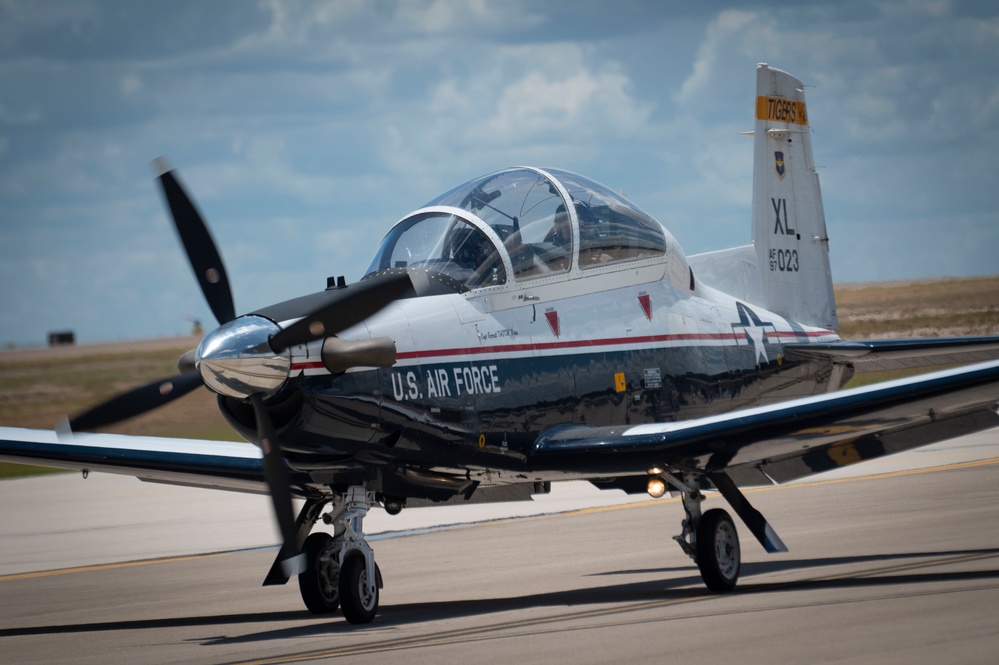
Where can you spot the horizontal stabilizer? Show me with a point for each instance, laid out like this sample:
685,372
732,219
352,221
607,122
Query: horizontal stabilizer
892,354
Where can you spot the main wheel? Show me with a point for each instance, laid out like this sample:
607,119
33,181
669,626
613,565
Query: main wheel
358,604
718,554
319,584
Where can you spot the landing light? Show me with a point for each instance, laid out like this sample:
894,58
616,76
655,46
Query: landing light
656,487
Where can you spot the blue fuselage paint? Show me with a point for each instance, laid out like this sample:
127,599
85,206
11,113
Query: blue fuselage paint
489,411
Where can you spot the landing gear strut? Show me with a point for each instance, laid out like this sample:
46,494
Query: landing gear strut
710,539
341,570
359,579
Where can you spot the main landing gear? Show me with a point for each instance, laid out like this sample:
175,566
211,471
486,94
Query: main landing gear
710,539
340,569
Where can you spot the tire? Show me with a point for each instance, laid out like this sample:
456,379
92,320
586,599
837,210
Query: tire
358,606
718,554
319,584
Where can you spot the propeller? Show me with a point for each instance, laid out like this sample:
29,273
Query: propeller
249,347
198,244
136,402
360,302
277,480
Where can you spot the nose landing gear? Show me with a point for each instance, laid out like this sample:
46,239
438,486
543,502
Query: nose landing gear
340,569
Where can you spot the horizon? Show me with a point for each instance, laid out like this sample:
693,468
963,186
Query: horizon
42,344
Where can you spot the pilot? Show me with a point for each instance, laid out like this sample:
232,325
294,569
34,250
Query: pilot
468,247
560,233
593,247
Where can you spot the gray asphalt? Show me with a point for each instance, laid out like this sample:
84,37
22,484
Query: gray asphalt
899,566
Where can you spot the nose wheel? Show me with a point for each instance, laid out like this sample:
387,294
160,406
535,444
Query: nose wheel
358,590
319,583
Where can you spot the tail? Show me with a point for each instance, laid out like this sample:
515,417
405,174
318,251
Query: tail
789,226
786,269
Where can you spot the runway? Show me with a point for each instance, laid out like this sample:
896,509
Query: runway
902,565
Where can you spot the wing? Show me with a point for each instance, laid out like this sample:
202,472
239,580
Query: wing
211,464
892,354
789,440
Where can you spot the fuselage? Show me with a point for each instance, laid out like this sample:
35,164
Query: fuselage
607,327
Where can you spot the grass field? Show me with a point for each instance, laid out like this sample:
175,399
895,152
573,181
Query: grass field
928,308
39,387
954,307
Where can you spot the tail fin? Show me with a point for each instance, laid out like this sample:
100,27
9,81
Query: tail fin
789,226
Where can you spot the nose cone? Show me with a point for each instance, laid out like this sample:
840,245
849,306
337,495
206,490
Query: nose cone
236,360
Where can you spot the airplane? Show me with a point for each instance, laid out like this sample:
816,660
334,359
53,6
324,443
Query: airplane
532,326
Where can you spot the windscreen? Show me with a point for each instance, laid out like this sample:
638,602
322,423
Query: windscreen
444,244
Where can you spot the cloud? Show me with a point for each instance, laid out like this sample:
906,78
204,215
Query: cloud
130,84
357,30
292,24
730,23
445,17
909,9
13,117
583,101
514,104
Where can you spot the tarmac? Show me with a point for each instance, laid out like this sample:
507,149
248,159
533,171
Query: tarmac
891,560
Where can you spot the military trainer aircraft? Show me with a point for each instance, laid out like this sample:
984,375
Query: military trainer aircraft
533,326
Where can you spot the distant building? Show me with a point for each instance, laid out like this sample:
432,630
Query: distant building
62,338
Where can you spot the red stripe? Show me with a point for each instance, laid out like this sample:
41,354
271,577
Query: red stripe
574,344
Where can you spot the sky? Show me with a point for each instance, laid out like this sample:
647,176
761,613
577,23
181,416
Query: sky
305,130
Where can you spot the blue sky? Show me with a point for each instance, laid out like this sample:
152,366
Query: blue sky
306,129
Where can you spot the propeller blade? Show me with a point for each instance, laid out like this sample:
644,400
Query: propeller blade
198,243
136,402
277,480
360,301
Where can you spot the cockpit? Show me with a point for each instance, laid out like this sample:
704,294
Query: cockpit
520,225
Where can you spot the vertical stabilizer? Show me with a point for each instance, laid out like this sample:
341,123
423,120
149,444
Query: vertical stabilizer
789,226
